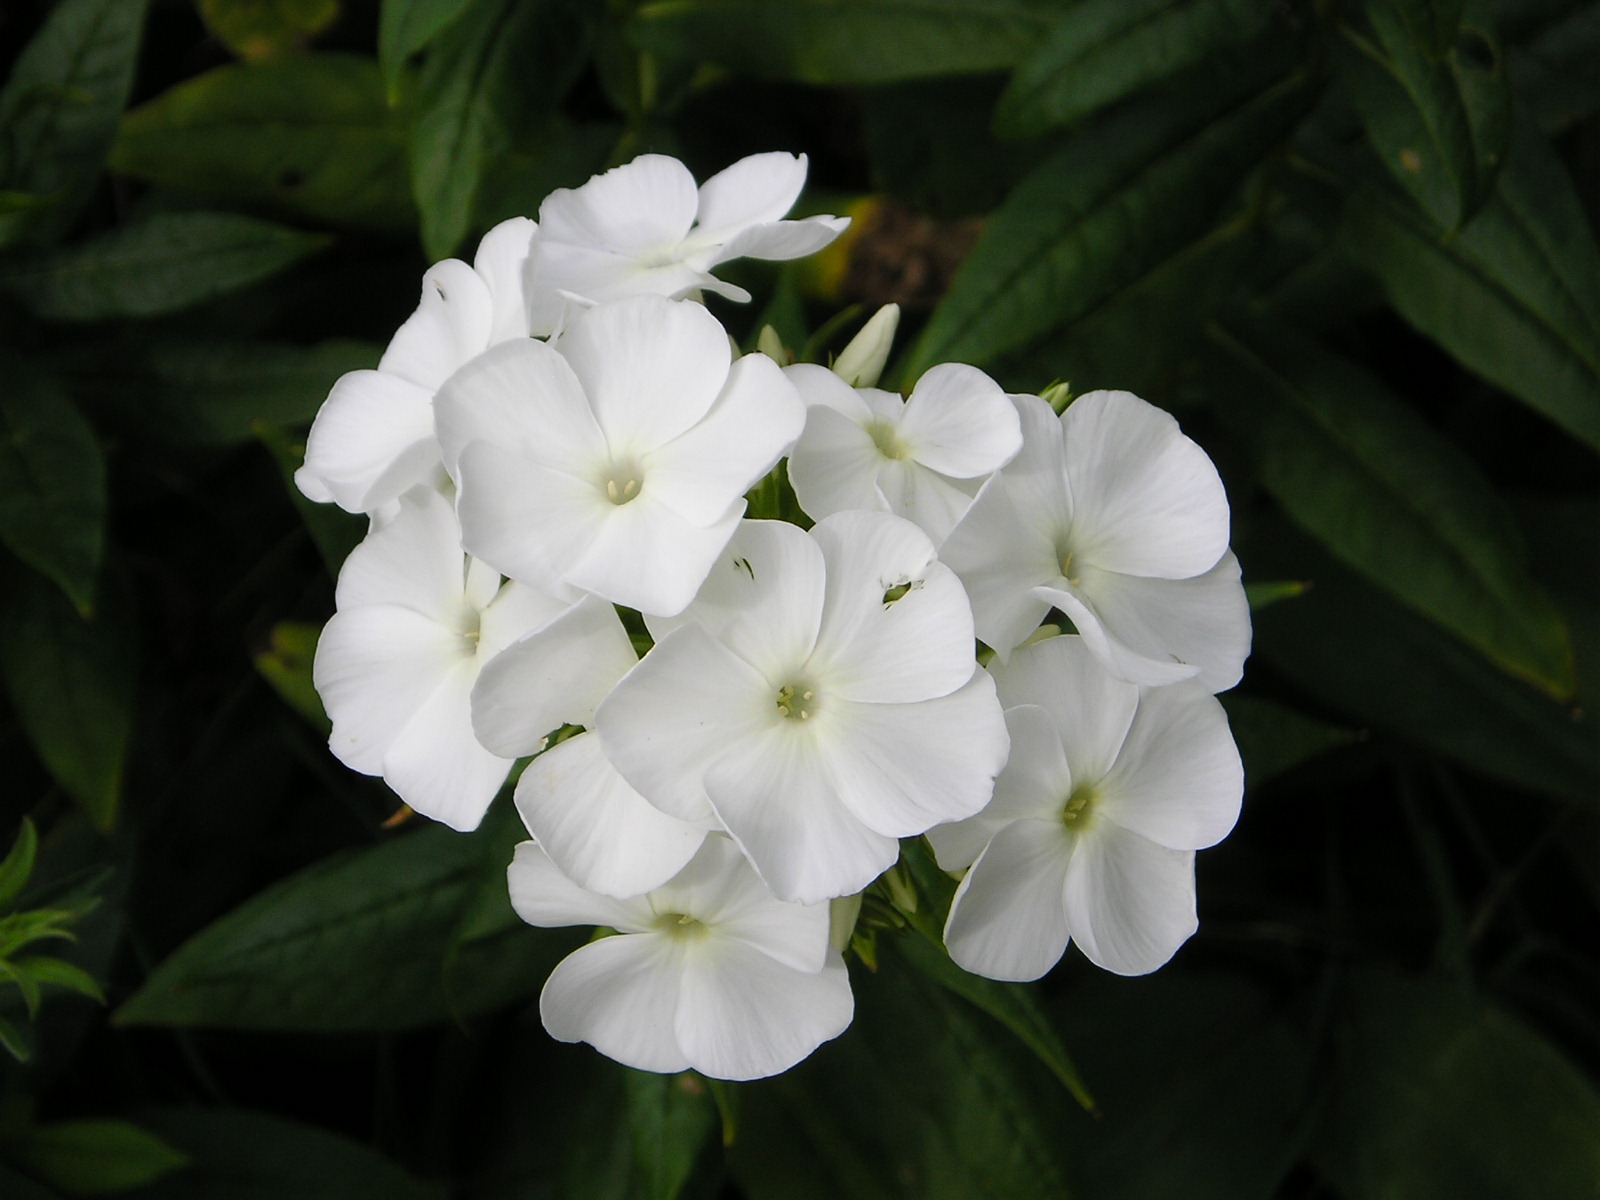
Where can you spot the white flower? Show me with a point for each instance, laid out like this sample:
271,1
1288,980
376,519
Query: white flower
923,458
1116,518
615,460
1109,790
708,972
396,664
819,698
644,228
373,438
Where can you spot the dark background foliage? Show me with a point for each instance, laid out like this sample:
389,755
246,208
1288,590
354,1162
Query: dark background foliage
1350,244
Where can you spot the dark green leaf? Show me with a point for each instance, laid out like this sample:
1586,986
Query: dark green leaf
257,29
310,135
18,1187
52,482
240,1155
1103,51
18,1044
71,682
334,531
1515,296
1272,739
18,865
1553,75
89,1158
161,264
1121,197
1349,646
503,67
1438,119
58,114
1439,1095
365,940
25,984
671,1119
1358,469
406,27
847,41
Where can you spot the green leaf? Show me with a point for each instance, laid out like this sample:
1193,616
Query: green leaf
58,973
58,114
1553,75
1438,1095
1273,739
1368,657
847,41
671,1120
1439,119
1103,51
1515,296
25,984
52,482
286,665
72,684
267,28
17,867
406,27
1363,473
358,942
310,135
334,531
18,1044
1262,594
241,1155
89,1158
163,263
502,67
1119,198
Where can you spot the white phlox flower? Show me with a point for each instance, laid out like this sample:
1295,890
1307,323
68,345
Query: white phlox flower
708,971
1109,791
395,666
373,437
820,699
1113,516
922,458
615,460
644,227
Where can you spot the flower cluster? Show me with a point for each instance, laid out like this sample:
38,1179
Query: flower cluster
555,452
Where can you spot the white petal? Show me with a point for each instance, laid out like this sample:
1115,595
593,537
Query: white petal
773,794
651,368
500,262
909,649
834,465
901,768
1147,500
515,609
543,896
413,560
556,675
1178,780
673,714
436,765
1154,669
781,240
621,995
563,280
644,555
1090,708
1037,477
745,1016
601,833
638,207
927,499
372,440
752,425
753,191
960,423
1008,919
1130,902
818,386
375,667
452,323
1001,558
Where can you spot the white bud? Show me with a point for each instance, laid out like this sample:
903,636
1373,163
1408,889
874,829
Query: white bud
861,362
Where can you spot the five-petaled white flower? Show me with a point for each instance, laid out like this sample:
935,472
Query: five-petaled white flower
1109,791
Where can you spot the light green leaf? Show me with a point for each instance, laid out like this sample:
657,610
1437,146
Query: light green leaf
1358,469
1103,51
363,941
52,482
17,868
310,136
1515,296
18,1044
236,1154
671,1119
286,665
163,263
257,29
1439,119
89,1158
1273,739
501,68
72,684
847,41
59,110
1122,196
406,27
1438,1095
24,983
59,973
1262,594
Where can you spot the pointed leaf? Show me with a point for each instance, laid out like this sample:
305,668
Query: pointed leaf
408,26
1273,739
58,973
18,865
90,1158
257,29
286,665
671,1119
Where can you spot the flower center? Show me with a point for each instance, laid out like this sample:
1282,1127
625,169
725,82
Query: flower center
622,483
1064,557
1077,814
888,440
797,702
682,926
